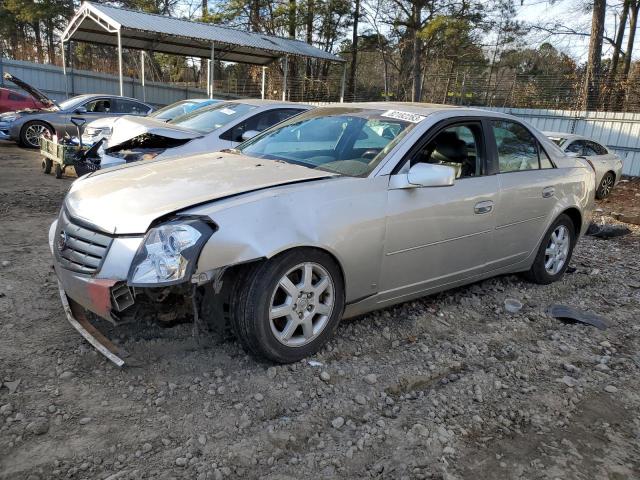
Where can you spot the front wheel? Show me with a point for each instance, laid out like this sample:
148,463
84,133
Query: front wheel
290,305
31,133
606,185
554,252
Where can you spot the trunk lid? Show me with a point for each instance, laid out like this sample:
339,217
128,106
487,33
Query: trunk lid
33,91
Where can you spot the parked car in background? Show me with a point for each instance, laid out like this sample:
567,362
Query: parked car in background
607,165
103,127
26,126
332,213
209,129
10,101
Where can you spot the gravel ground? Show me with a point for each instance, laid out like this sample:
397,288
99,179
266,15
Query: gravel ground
447,387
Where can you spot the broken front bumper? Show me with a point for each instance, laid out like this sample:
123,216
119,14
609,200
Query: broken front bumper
93,292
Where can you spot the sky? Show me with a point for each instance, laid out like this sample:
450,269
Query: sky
571,14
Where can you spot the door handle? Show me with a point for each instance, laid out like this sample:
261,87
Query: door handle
548,192
483,207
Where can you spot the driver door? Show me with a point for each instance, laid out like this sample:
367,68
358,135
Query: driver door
437,236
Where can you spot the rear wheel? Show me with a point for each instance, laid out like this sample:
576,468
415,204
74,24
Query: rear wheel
554,252
606,185
31,133
290,305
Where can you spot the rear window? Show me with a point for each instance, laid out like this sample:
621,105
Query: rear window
206,120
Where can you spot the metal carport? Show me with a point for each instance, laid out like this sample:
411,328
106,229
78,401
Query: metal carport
121,28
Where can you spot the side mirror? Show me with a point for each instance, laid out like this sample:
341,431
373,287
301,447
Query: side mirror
249,134
430,175
78,121
80,110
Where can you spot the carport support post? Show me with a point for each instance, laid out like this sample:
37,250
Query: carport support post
264,70
285,68
213,70
120,64
343,81
64,72
144,91
208,77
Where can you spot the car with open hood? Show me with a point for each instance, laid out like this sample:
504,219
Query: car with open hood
606,164
103,127
27,126
209,129
333,213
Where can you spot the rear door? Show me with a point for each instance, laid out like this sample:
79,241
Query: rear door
440,235
528,181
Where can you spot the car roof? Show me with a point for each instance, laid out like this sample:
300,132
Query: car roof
261,103
106,95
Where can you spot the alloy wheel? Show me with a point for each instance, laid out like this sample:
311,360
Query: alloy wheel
301,304
606,186
33,133
557,250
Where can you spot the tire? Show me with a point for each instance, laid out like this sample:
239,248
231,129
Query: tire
57,170
311,310
606,185
540,271
31,131
46,165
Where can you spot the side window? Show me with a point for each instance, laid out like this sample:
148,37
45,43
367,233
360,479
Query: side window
129,107
545,161
589,149
517,147
259,122
101,105
576,147
459,146
599,149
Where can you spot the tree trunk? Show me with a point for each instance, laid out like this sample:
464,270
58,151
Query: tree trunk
292,18
612,87
592,87
416,22
309,34
354,51
205,9
254,16
51,45
38,39
633,23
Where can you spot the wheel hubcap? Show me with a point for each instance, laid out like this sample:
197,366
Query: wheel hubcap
555,256
301,304
33,133
607,185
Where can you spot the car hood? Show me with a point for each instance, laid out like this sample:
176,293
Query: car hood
33,91
126,200
128,127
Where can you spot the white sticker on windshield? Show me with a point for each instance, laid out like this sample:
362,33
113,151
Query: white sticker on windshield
406,116
227,111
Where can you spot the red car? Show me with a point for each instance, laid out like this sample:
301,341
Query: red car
10,101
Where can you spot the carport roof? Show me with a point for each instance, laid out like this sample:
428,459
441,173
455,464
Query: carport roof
99,24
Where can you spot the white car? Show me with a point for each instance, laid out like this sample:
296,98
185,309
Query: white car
102,127
607,165
208,129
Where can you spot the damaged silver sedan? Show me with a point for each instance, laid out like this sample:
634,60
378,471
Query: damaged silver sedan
331,214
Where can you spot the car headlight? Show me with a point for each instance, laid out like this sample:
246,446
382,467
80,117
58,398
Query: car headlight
169,253
94,131
8,118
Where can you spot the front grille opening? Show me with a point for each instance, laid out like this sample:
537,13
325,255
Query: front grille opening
78,248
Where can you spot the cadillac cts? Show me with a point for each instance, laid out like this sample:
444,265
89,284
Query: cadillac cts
333,213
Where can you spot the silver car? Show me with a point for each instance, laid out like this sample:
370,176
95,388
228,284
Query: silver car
27,126
607,165
331,214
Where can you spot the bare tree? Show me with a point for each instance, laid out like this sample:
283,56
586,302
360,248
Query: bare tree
592,84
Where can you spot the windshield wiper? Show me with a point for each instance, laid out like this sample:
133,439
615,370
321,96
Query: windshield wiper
235,151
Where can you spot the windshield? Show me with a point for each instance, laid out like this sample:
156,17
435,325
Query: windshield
72,102
176,109
349,141
205,120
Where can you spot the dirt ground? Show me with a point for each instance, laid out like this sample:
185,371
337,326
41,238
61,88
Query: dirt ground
448,387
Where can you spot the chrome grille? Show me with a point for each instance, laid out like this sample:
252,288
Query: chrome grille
78,248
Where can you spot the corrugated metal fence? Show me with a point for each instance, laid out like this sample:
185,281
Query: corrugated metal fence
50,80
619,131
